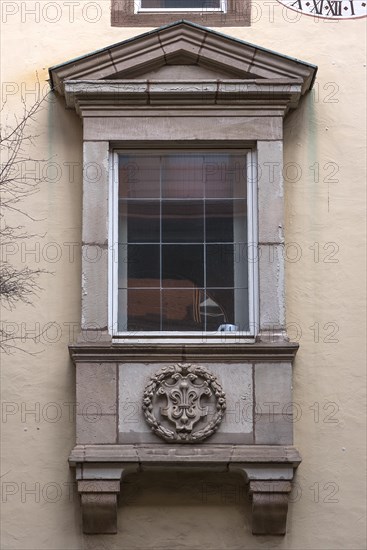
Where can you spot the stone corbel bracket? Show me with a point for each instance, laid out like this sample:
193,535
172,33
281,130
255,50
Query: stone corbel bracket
269,507
268,471
269,489
99,486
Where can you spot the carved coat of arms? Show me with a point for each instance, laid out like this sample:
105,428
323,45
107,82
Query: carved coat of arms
189,392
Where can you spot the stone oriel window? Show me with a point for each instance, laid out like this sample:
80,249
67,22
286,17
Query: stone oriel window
166,104
149,13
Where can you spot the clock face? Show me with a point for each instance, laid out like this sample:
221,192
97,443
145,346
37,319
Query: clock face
329,9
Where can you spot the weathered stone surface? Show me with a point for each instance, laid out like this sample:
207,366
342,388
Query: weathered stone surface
269,513
99,513
270,191
262,458
274,429
270,486
272,298
109,472
263,472
95,192
136,55
203,90
95,236
273,387
269,507
98,486
184,72
134,349
95,288
96,385
183,128
236,381
94,428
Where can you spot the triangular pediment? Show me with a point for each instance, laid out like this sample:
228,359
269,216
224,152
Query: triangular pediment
183,51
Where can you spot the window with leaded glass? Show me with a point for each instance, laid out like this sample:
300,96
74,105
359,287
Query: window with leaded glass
183,241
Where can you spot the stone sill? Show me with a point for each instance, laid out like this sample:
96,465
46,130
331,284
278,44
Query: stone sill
185,455
133,352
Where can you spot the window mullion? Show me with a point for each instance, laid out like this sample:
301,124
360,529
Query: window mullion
205,251
160,247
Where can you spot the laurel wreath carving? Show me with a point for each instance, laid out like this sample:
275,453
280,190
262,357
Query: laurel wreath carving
196,371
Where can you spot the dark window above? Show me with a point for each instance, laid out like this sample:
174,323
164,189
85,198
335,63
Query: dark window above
148,13
182,4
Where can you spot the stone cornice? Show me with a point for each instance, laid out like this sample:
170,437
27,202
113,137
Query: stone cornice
112,95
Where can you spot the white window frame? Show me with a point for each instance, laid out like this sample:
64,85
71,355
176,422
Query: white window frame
253,260
139,9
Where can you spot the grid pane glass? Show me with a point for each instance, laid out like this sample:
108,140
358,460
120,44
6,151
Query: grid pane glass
181,309
183,262
139,177
225,176
219,308
143,221
219,265
182,221
143,310
143,266
182,176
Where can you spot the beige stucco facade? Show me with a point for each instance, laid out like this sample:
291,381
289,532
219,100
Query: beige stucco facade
324,177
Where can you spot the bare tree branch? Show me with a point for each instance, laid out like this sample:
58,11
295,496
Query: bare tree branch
18,284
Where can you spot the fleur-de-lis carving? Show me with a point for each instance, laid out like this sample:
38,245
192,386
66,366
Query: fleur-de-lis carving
184,386
184,408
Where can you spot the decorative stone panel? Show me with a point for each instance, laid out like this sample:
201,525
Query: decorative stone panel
236,424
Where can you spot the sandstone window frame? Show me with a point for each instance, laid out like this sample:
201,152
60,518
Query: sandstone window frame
233,13
173,80
252,294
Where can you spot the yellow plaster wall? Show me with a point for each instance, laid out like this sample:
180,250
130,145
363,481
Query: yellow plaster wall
325,291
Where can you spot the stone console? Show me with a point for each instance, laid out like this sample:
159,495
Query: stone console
254,434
